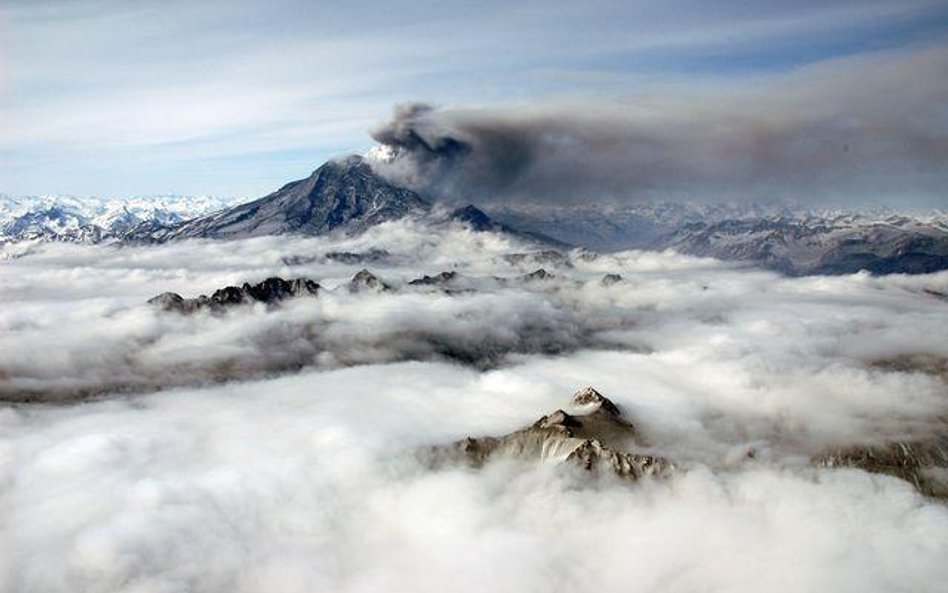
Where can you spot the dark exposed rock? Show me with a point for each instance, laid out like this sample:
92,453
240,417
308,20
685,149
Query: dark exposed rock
270,291
537,276
935,293
365,280
924,463
170,301
591,397
477,220
298,260
610,279
595,440
474,218
344,195
147,232
347,257
549,257
928,364
342,257
439,280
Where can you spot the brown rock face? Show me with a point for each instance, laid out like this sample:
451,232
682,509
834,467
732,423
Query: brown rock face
595,440
924,463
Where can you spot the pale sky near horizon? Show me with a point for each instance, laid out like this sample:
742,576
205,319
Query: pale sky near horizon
109,97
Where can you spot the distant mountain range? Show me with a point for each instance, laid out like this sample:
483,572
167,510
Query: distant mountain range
347,196
92,219
792,240
836,245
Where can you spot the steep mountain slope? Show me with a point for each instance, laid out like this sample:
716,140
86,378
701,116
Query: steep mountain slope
477,220
344,194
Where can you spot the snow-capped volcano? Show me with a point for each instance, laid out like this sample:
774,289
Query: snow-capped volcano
343,194
348,195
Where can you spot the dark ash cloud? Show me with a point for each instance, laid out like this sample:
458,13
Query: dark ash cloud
867,129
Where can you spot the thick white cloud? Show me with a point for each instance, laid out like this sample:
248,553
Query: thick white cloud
304,483
310,480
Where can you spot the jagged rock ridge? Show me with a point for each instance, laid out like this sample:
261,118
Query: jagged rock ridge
594,439
924,463
439,280
270,291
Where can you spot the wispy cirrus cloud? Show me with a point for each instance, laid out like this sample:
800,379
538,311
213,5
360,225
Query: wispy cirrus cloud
137,97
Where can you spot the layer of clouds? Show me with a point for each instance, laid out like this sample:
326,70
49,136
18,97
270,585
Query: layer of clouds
297,484
490,314
76,321
866,128
308,480
301,483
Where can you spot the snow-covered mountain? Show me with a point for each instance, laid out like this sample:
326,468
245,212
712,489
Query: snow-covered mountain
788,238
342,194
821,244
347,195
95,219
609,227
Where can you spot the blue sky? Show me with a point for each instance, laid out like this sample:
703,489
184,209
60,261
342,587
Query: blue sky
111,97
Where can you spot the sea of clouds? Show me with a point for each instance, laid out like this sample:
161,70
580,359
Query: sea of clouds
274,449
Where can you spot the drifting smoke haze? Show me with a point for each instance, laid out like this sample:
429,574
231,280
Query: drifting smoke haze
305,474
410,423
864,129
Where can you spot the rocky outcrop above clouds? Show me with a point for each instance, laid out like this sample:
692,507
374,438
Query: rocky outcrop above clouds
271,291
593,436
366,281
922,462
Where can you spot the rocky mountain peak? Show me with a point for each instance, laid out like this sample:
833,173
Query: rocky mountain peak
598,439
473,217
365,280
590,399
271,291
537,275
343,194
440,279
